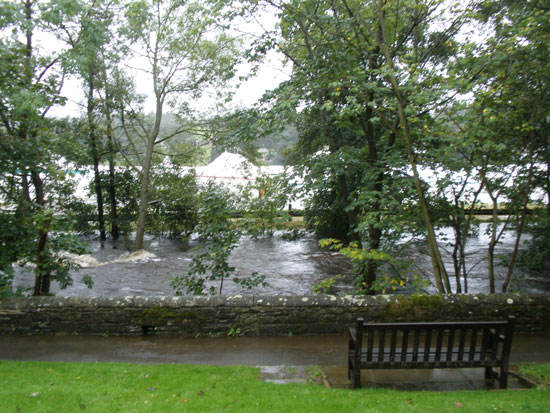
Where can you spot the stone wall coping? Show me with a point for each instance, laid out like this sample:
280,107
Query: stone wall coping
319,300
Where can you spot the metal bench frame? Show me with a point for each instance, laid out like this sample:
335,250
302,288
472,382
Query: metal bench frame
483,344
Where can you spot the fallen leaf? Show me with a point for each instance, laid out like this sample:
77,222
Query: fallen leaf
146,376
82,406
409,401
200,393
457,404
185,401
17,409
150,388
34,394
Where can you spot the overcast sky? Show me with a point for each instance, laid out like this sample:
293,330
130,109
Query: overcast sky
271,73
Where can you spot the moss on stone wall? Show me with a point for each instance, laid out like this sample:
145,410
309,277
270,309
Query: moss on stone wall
158,315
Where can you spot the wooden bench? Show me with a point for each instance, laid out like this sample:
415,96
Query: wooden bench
430,346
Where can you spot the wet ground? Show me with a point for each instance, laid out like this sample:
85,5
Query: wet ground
290,267
321,359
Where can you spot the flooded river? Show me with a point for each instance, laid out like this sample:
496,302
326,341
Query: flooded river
290,267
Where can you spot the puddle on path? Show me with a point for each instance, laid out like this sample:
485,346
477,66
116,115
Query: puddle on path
288,374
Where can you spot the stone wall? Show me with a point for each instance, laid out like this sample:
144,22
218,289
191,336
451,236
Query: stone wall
256,315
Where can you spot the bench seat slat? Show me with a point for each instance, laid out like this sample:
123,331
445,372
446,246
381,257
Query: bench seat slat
445,358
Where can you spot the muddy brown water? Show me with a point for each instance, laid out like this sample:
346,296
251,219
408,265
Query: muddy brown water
290,267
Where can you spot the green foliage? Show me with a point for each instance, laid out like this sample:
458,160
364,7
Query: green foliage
219,237
264,205
394,272
377,89
536,256
325,286
21,247
173,200
127,195
234,332
330,182
173,205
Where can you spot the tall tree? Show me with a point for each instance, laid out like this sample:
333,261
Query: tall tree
507,118
181,51
94,53
345,56
30,87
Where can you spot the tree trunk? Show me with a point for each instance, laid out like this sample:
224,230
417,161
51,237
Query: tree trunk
94,153
373,230
456,250
112,189
145,177
519,232
492,244
144,197
440,273
42,280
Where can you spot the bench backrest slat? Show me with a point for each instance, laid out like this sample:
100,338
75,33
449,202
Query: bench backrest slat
450,344
392,344
473,341
461,343
484,343
404,344
370,344
416,345
381,344
439,343
427,345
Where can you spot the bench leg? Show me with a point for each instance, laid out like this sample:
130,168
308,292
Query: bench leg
503,378
356,378
489,374
354,374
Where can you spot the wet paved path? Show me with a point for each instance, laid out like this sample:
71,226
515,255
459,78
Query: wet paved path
327,352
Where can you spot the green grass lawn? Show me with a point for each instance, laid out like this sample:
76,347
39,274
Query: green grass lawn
116,387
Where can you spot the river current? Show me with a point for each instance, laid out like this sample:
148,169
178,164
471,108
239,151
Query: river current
290,267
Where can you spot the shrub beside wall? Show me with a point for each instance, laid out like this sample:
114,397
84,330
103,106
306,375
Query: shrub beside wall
258,315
